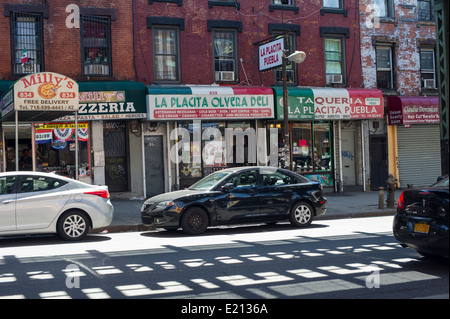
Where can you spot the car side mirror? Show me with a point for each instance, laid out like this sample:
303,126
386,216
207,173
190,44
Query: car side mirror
227,187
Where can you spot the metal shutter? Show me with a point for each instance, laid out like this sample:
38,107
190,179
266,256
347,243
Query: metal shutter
419,154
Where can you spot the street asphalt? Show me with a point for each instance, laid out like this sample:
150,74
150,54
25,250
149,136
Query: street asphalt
127,213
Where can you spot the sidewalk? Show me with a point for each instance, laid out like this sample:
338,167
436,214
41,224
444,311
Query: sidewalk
127,213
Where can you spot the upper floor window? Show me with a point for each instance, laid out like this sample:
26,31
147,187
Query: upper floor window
384,8
166,56
291,68
385,71
27,43
335,4
96,45
284,2
334,63
225,55
428,68
425,10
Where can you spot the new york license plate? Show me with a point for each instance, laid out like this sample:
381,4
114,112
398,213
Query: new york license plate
421,228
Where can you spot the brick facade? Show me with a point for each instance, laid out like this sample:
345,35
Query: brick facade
256,18
62,51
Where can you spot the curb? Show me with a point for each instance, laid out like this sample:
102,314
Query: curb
142,227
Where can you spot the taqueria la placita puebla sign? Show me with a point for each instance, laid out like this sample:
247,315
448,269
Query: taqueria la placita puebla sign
331,103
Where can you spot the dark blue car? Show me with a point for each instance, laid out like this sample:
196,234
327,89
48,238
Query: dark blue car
237,196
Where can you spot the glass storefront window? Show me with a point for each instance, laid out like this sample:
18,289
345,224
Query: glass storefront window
301,137
55,148
210,154
310,147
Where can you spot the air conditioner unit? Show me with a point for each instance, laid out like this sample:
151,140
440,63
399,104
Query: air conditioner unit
429,84
225,76
334,78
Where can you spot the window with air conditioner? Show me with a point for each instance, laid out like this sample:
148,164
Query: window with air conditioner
96,45
428,68
225,55
334,61
27,43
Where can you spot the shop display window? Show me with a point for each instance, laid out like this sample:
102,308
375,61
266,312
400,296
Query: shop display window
311,148
55,148
209,155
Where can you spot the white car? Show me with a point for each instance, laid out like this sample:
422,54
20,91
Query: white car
41,203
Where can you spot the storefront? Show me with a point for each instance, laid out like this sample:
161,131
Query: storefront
34,99
415,135
207,128
113,113
328,132
108,139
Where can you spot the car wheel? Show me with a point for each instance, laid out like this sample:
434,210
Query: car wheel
73,225
194,221
301,214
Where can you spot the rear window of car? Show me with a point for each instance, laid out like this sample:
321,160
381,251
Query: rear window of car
39,183
6,184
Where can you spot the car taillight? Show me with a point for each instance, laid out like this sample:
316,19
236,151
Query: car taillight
401,202
103,193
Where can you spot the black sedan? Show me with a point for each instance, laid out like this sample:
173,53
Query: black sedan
237,196
421,222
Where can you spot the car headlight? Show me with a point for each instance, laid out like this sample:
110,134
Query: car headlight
164,204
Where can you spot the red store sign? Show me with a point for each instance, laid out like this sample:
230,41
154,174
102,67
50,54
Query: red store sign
407,110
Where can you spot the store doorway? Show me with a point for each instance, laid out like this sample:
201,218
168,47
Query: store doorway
348,157
116,163
378,162
154,165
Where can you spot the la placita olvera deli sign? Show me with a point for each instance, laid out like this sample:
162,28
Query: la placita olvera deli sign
46,91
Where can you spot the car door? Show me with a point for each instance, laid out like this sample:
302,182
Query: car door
239,204
7,203
39,200
276,193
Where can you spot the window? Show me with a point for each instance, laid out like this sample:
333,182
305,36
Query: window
290,66
166,54
334,60
96,45
311,147
428,68
225,55
385,77
384,8
39,183
425,10
336,4
245,179
283,2
6,184
27,43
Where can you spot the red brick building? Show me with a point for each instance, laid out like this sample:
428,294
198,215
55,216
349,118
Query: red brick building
308,23
90,42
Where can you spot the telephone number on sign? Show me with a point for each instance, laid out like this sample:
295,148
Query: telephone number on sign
46,107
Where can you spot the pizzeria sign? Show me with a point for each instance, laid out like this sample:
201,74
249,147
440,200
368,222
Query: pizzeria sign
46,91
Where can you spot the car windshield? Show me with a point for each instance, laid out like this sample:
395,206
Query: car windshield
210,181
442,183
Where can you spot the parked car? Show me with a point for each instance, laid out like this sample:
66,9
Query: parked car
39,203
421,222
237,196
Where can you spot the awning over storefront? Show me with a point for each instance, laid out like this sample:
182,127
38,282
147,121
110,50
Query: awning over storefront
209,102
41,96
407,110
111,101
321,103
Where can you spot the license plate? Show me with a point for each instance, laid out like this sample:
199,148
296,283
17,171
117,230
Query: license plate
421,228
